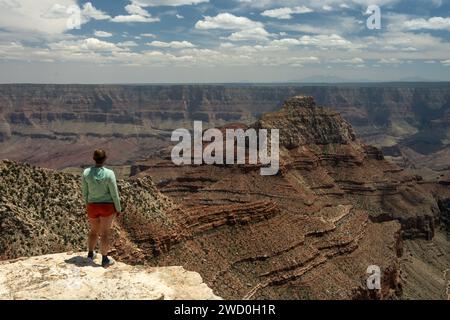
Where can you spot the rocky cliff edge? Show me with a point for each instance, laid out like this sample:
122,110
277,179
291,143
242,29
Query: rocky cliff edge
71,276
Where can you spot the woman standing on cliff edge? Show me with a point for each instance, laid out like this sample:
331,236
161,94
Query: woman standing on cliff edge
103,204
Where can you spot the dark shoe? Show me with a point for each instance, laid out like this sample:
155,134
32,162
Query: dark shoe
107,262
92,255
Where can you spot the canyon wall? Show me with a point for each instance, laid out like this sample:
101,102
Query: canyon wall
58,125
310,232
336,207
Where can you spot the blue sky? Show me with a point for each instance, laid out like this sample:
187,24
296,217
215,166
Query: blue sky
179,41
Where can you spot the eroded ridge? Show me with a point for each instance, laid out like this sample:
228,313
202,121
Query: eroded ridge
335,208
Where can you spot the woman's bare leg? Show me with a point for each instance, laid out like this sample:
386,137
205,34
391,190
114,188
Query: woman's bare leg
105,233
94,233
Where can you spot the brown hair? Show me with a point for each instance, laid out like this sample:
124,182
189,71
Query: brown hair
99,156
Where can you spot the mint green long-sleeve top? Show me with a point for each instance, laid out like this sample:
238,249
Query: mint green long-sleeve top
100,186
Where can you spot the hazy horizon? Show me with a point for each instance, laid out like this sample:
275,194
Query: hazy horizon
243,83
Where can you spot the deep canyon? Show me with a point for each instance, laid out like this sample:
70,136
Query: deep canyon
58,125
363,180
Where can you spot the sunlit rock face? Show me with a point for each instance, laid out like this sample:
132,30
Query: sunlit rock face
71,276
309,232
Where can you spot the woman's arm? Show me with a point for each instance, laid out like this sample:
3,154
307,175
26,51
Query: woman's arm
85,189
114,192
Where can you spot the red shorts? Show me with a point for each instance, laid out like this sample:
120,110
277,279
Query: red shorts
97,210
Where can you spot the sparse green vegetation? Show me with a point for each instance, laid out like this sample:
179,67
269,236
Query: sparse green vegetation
42,211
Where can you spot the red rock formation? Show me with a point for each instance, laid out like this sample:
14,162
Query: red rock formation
409,121
310,231
335,208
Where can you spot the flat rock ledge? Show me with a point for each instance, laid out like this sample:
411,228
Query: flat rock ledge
68,276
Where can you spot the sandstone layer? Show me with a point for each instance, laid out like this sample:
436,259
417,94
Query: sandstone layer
409,121
335,208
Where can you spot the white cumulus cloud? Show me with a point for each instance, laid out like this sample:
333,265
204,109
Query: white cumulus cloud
172,3
243,27
135,14
127,44
172,44
90,12
45,16
285,13
227,21
102,34
148,35
326,41
84,45
249,34
434,23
